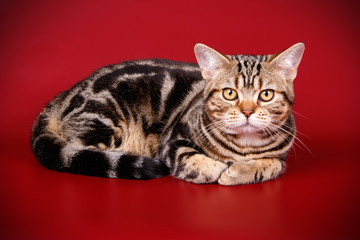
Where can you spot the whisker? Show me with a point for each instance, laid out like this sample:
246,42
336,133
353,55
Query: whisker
299,114
295,137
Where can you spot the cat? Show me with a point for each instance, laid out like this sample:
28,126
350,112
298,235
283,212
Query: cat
226,120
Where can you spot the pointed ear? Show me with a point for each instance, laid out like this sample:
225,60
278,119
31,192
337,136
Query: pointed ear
286,63
210,61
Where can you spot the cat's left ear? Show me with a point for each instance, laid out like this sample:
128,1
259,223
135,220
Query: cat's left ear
286,63
209,60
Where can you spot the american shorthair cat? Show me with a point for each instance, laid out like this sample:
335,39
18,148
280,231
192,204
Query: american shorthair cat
227,120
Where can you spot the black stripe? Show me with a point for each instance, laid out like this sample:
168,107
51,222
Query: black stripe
151,168
258,68
187,155
237,81
155,88
253,76
47,149
121,103
99,133
105,82
183,112
287,98
75,102
183,85
211,94
107,110
260,83
246,64
244,79
173,147
125,167
180,167
239,63
117,141
90,163
192,175
182,163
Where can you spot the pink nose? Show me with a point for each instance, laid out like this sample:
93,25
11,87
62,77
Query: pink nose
247,113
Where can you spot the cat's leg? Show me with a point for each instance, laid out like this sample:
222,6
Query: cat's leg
186,162
253,171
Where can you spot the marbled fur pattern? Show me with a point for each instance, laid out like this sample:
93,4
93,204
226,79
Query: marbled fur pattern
147,118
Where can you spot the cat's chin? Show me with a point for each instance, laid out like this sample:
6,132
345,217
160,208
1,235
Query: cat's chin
245,129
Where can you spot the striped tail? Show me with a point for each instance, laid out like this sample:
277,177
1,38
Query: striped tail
55,153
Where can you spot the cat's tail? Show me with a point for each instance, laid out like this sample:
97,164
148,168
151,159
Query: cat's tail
55,153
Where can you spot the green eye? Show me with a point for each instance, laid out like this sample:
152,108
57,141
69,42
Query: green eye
230,94
266,95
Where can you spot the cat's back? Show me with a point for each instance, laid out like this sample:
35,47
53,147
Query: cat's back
148,92
132,82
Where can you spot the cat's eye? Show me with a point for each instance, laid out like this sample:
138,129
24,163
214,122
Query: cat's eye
230,94
266,95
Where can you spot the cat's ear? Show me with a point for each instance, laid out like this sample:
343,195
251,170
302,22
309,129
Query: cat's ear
209,60
286,63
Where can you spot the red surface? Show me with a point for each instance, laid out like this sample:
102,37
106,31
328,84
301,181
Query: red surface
47,46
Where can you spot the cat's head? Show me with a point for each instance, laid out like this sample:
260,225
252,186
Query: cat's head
247,95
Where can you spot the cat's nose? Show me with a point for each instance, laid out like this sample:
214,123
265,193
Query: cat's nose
247,112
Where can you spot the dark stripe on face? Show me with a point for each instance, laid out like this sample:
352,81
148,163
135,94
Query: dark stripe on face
236,81
246,64
212,92
239,63
258,68
253,76
244,79
260,83
286,98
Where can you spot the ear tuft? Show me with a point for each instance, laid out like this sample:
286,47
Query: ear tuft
209,60
286,63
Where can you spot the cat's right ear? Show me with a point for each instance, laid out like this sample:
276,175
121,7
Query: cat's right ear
209,60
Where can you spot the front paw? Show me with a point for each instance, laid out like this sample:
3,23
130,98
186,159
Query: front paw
253,171
239,173
201,169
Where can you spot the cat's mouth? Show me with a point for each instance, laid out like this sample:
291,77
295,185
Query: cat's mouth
244,128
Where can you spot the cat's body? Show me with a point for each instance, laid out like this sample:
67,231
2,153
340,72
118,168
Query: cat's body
143,119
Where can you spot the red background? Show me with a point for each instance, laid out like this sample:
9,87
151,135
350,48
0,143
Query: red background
47,46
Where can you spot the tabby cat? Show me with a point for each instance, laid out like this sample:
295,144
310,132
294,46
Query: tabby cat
227,120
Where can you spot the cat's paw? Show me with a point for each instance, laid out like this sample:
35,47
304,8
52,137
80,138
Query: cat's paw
238,173
253,171
202,169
